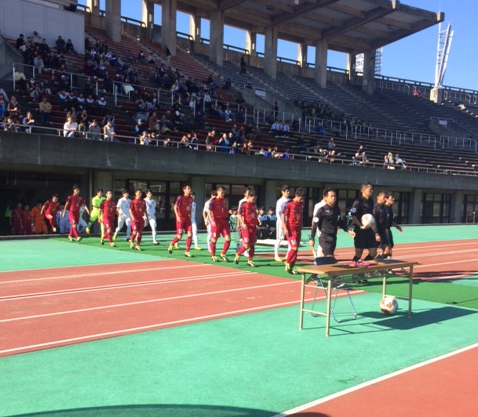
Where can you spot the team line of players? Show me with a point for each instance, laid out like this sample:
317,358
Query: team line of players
327,219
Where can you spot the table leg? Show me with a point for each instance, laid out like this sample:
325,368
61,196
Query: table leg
410,291
384,285
302,296
327,316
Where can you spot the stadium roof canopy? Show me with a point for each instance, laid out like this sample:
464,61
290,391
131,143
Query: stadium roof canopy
351,26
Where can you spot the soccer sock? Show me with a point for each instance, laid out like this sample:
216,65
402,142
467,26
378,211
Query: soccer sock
174,241
241,250
107,235
102,228
132,236
225,247
276,247
138,239
251,253
188,243
74,232
89,224
212,248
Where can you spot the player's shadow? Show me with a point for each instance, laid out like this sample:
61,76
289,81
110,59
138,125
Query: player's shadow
163,410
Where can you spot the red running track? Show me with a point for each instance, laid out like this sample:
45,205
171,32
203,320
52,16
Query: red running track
47,308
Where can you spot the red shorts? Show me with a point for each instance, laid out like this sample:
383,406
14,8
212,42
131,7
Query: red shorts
137,225
293,237
74,218
108,223
184,225
249,235
221,229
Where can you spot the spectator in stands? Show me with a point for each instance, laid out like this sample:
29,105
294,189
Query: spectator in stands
144,138
60,44
400,161
109,132
227,84
3,107
331,145
141,57
28,121
20,79
70,49
286,129
44,48
243,65
388,161
69,128
13,107
45,111
4,94
94,130
128,57
43,89
20,42
38,62
320,129
276,127
84,118
101,106
36,38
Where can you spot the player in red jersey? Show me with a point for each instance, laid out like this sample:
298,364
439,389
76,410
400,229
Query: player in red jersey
16,221
137,212
292,219
26,220
107,217
49,209
74,202
182,210
248,221
219,218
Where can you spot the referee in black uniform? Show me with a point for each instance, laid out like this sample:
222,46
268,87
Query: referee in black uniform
364,238
328,220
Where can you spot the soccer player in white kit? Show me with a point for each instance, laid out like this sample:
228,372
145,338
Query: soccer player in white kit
122,207
315,223
280,207
193,222
151,212
206,218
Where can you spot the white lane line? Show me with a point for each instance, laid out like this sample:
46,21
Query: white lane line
155,300
304,407
121,286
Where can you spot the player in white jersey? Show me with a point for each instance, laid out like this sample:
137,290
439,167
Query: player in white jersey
122,207
206,217
193,222
280,207
315,223
151,212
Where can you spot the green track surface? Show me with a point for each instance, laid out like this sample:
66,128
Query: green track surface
250,365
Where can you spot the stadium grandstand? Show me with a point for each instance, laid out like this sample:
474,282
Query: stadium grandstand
185,109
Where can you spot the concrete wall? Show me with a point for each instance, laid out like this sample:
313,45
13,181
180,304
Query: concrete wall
8,55
34,150
23,16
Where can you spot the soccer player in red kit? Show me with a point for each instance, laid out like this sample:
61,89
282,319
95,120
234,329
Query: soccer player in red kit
16,221
292,219
26,220
74,202
137,212
248,222
219,218
49,209
182,210
107,217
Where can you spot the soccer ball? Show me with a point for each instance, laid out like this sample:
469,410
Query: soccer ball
389,305
367,221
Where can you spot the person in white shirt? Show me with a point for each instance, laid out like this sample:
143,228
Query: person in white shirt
70,127
206,218
280,207
315,223
151,212
122,207
193,223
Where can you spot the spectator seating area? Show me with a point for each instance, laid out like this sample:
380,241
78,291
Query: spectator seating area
386,109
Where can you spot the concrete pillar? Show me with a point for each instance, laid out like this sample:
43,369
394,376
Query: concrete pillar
456,206
415,206
94,6
168,23
436,95
320,73
270,193
198,185
113,20
216,41
270,56
351,63
147,17
251,42
369,71
302,54
195,27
